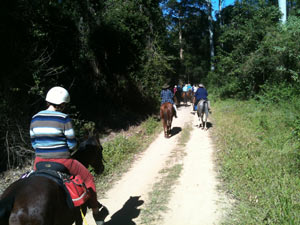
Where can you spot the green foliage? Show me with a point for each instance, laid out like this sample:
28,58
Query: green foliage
150,126
242,62
190,19
296,130
259,161
276,93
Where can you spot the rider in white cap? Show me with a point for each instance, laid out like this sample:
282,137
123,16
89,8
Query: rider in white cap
53,137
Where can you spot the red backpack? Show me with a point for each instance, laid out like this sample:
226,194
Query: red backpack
77,190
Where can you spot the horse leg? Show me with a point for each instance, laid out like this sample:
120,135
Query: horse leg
206,115
78,217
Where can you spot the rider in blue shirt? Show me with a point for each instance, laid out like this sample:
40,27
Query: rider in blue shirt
201,93
167,96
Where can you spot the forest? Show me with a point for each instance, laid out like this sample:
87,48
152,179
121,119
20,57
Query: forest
113,56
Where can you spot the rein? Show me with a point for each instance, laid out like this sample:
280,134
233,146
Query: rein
83,217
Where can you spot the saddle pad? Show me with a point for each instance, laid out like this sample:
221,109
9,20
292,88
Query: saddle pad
74,187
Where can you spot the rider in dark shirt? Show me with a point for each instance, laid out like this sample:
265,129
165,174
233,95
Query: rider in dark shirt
167,96
201,93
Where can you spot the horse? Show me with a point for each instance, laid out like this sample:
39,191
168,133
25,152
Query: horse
177,97
166,115
202,110
38,200
187,96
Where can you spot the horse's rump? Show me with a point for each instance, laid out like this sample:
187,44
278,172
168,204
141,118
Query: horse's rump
33,199
40,200
166,115
166,111
202,110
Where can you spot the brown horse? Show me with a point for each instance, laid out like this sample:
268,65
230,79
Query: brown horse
187,96
166,115
38,200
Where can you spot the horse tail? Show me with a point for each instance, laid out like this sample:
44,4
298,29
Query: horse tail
165,116
6,205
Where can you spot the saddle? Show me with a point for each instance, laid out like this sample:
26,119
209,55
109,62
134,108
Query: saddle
76,191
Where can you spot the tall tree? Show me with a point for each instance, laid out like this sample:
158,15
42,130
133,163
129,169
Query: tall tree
211,35
188,30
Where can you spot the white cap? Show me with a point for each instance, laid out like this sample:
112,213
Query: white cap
58,95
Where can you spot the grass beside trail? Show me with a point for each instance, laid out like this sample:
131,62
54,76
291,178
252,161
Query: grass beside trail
258,160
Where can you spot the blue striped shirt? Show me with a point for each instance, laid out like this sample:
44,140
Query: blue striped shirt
52,134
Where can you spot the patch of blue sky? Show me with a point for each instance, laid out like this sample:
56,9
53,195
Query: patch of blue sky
215,5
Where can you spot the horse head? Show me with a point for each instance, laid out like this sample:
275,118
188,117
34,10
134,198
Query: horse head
89,153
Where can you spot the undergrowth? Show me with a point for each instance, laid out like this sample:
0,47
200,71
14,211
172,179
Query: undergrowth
259,159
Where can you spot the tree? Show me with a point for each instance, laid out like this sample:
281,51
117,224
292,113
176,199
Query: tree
188,34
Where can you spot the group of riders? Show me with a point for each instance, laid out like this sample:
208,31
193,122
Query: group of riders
198,93
53,137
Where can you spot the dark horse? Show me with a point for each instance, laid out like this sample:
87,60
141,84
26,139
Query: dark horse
38,200
202,110
166,115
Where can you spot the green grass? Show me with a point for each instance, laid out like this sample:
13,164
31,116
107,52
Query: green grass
259,160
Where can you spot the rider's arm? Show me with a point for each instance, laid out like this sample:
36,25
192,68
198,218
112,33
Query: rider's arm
32,138
70,134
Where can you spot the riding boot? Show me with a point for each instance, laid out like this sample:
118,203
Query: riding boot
175,109
208,106
99,216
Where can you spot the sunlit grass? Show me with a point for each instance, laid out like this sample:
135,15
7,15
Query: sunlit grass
258,162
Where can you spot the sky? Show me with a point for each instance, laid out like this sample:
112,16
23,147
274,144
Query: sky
215,4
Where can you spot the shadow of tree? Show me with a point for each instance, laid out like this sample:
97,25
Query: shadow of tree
128,212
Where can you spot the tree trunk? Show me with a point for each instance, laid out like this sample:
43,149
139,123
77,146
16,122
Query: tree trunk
211,36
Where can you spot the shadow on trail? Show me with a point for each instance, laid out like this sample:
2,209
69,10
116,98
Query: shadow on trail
128,212
208,125
175,130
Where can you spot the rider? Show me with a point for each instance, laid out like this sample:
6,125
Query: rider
201,93
167,96
185,88
53,137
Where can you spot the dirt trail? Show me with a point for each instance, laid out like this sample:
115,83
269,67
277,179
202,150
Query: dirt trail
194,199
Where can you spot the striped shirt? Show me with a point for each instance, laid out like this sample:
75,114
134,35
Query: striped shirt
52,134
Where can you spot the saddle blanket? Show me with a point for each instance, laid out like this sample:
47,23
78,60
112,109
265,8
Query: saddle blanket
77,193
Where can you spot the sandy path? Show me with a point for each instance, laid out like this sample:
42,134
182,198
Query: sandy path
193,200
